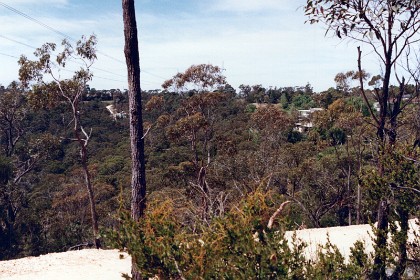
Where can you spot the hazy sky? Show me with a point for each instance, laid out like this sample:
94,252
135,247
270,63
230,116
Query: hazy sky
257,41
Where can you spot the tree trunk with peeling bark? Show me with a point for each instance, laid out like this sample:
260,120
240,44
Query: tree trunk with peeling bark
138,176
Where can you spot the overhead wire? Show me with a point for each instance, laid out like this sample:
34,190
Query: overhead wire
95,76
104,78
76,62
18,42
36,21
157,76
66,37
53,29
70,71
5,54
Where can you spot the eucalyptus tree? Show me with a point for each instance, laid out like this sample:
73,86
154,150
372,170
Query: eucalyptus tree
131,50
49,88
138,168
195,120
390,28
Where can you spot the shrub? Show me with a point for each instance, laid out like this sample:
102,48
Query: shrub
238,245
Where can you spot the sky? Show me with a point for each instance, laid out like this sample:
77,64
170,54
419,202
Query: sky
255,41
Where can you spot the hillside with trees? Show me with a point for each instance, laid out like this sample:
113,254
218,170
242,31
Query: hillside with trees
206,151
228,171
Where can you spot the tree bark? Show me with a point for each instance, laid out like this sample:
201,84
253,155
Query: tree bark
383,209
138,176
381,133
88,182
91,195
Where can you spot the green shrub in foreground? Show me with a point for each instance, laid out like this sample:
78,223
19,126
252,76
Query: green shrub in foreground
236,246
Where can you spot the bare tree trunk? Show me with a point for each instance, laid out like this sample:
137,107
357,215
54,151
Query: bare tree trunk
379,262
138,176
89,187
204,188
380,122
84,161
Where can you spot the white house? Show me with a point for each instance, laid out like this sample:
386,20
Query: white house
304,122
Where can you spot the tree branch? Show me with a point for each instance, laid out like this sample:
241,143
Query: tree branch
359,65
278,211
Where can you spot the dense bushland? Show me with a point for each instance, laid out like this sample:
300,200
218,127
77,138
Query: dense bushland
254,159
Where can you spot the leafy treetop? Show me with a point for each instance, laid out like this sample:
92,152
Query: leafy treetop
202,77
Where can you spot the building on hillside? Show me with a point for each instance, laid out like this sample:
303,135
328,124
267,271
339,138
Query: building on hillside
115,114
406,98
305,119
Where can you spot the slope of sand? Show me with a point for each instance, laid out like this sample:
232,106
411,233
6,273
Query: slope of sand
110,264
85,264
342,237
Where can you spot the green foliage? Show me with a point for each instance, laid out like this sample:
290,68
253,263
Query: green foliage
111,165
330,263
399,185
302,101
250,108
401,178
294,137
243,147
236,246
338,136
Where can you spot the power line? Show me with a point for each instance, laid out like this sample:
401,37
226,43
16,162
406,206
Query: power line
21,43
157,76
103,78
79,63
36,21
111,57
52,29
63,35
109,72
5,54
109,79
